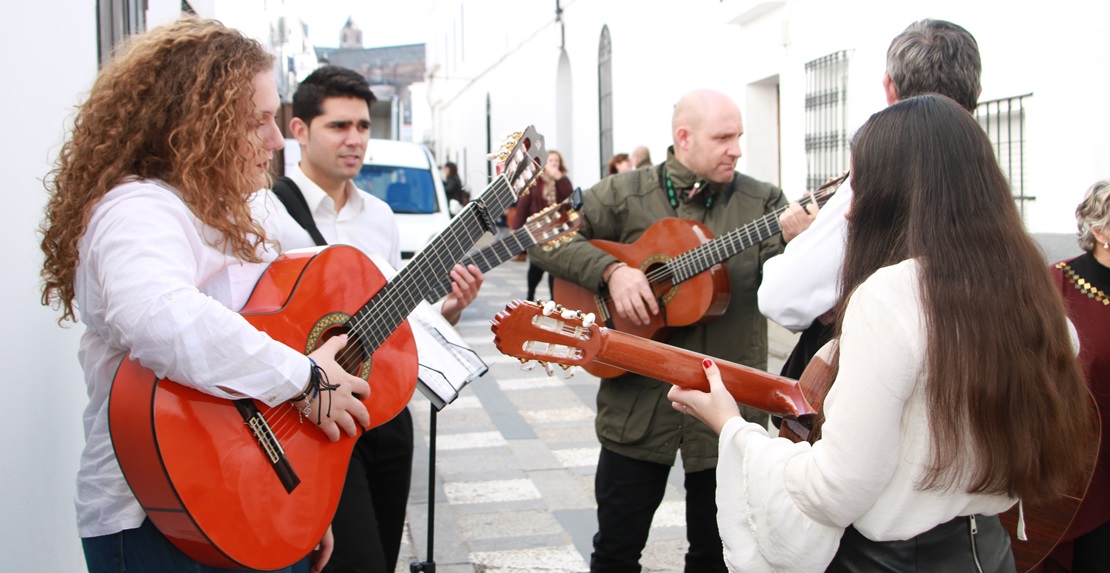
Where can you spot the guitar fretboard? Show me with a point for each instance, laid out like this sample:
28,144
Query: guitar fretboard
428,271
701,258
487,258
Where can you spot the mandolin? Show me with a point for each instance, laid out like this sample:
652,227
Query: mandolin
675,255
236,483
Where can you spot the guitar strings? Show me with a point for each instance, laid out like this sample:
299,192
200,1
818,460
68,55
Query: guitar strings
373,328
682,265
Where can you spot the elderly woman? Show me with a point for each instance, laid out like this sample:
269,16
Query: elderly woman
1085,283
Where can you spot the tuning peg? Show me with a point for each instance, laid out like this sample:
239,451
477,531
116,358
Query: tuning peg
569,314
569,370
527,365
589,319
549,308
547,366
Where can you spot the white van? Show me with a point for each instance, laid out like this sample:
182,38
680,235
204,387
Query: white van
404,175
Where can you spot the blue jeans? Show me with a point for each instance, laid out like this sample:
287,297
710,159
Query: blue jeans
145,550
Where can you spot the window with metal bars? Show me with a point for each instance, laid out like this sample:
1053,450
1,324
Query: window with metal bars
605,100
826,117
1004,122
117,19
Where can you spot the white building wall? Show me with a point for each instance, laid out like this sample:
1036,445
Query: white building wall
42,427
756,52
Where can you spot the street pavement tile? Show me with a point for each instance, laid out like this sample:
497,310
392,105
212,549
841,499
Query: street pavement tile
578,457
478,465
491,491
567,436
529,383
552,415
564,491
546,559
518,542
469,440
670,514
533,455
541,397
664,555
509,524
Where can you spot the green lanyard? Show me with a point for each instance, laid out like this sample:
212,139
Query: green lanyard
673,197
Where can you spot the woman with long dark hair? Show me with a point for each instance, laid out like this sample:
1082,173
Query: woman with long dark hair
957,392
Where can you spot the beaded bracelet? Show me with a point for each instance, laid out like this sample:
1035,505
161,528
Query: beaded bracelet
317,382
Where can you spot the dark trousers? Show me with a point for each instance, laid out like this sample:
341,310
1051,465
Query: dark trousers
628,492
535,274
371,516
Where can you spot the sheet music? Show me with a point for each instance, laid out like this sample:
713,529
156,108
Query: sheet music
447,363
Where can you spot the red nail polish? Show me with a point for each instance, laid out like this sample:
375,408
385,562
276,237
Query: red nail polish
706,363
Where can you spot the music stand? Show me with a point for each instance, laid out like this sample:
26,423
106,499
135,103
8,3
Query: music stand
441,387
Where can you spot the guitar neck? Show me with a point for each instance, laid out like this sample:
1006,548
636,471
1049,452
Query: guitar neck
774,394
429,270
701,258
487,258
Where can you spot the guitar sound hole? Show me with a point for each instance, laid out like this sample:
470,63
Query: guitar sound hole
352,357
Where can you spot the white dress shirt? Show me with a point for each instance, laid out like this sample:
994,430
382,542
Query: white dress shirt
151,283
783,506
802,283
365,222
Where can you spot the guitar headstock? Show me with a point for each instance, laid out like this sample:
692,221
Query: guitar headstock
557,223
520,159
828,188
548,333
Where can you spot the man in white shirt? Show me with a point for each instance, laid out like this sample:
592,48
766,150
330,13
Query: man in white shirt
331,122
800,287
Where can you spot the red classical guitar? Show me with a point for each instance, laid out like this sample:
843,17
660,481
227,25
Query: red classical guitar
529,331
550,333
235,483
675,254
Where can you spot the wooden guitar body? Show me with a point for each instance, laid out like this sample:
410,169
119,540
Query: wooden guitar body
699,299
203,478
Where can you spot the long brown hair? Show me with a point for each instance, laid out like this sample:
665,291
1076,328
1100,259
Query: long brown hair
1007,403
176,105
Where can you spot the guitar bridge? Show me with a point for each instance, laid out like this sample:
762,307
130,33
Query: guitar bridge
269,444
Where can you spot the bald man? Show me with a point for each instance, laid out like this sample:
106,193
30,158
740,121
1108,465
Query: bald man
639,431
641,157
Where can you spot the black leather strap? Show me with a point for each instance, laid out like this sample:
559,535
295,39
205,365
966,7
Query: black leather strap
290,195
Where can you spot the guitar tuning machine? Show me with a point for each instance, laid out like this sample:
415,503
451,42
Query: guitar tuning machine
569,370
527,365
548,368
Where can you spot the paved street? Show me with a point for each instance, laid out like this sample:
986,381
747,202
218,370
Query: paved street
515,458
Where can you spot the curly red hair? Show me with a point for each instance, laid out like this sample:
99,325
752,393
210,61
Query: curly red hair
175,104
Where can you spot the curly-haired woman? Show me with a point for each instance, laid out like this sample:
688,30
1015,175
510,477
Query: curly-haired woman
149,241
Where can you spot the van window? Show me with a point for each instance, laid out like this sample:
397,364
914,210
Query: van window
406,189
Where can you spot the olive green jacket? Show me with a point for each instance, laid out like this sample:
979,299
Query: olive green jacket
634,417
